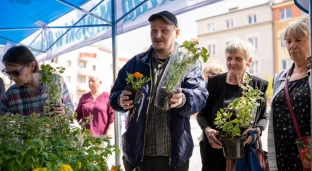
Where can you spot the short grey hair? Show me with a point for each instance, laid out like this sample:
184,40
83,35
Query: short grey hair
240,45
95,76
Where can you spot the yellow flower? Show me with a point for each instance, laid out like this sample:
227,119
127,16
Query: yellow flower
65,167
40,169
37,169
79,165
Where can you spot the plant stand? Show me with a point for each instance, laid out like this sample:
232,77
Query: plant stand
233,148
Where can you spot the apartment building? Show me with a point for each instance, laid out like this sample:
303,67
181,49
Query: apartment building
284,12
253,24
80,63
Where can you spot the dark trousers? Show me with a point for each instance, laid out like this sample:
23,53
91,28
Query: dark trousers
155,163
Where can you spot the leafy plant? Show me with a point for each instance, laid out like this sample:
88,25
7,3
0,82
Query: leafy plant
35,143
183,63
136,80
244,107
52,79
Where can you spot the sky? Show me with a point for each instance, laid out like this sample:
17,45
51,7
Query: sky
134,42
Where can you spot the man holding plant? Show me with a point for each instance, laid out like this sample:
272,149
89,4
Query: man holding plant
158,139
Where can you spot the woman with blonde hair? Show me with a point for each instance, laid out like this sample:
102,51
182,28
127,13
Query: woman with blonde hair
285,112
96,104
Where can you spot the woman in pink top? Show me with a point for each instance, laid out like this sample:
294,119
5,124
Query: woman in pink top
97,104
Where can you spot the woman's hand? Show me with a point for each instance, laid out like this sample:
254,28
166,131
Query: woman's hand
253,133
212,139
309,60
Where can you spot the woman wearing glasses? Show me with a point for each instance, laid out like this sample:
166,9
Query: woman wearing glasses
28,94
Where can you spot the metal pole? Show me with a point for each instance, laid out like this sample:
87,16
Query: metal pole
115,71
310,76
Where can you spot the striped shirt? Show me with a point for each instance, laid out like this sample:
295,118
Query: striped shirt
21,100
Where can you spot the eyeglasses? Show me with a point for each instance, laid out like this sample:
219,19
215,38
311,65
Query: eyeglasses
15,73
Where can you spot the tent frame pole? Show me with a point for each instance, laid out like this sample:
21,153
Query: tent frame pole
115,71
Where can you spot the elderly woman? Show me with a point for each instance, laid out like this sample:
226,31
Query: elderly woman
212,68
28,94
282,148
223,89
96,103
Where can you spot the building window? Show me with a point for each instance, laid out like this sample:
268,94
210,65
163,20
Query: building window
287,63
212,49
54,60
210,27
68,63
82,64
283,42
252,19
229,23
94,68
286,13
254,68
254,42
82,79
67,79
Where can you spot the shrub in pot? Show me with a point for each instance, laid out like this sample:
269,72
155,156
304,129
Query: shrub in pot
236,118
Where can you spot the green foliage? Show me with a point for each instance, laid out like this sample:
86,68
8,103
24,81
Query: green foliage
33,142
52,79
244,107
181,65
136,80
36,143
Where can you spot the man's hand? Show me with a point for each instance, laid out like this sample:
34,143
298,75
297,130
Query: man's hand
177,99
309,60
212,139
60,109
123,100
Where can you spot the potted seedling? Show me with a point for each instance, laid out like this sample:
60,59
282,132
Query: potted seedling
236,118
179,65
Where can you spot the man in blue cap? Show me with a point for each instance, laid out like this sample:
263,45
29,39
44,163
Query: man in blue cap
158,140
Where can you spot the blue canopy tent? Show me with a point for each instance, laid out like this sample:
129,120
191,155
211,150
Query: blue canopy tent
306,6
52,27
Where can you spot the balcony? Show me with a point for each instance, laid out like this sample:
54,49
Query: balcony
83,71
83,86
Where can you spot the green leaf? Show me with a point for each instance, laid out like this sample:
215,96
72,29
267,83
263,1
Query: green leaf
235,121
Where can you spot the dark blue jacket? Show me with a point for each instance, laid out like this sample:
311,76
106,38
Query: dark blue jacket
193,86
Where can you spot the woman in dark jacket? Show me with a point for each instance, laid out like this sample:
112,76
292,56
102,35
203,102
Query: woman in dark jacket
223,89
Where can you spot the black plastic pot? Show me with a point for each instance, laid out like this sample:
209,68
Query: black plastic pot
133,92
136,95
163,101
233,148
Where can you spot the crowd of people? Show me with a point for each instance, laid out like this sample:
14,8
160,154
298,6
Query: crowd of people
157,139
